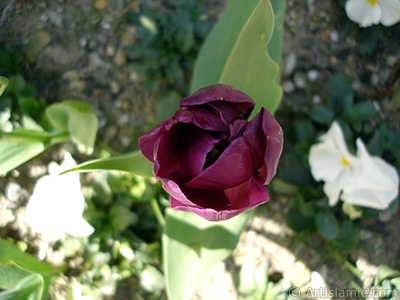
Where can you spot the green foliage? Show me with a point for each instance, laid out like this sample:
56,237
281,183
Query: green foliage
241,58
309,210
168,43
387,283
3,84
254,283
28,127
22,275
133,162
192,245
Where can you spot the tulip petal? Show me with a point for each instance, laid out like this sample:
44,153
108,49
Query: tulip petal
220,92
244,197
208,118
234,166
274,134
148,140
194,148
390,12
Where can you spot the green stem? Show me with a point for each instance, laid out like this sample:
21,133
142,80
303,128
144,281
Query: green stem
157,212
59,138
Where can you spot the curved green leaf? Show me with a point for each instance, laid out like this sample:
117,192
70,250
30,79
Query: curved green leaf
192,245
15,153
236,52
3,84
249,67
78,119
30,287
133,162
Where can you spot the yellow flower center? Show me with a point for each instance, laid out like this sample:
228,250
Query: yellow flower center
345,162
373,2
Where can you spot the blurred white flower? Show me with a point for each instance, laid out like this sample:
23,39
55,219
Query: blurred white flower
369,12
362,180
57,204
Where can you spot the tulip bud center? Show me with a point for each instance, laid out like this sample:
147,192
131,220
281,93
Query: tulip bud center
214,154
372,2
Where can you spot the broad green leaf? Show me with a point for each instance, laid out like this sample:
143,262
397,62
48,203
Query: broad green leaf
78,119
30,287
276,43
192,245
3,84
10,275
327,225
249,67
236,52
15,153
133,162
10,254
385,272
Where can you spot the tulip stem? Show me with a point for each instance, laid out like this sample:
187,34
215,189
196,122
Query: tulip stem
157,212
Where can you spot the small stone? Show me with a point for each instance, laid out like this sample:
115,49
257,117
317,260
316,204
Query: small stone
291,63
83,42
288,87
114,86
313,75
71,75
316,99
300,80
78,85
334,36
120,58
110,50
385,216
101,4
129,36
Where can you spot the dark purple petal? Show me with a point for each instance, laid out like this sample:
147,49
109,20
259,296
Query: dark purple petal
194,144
244,197
220,92
148,141
274,134
207,118
255,137
234,166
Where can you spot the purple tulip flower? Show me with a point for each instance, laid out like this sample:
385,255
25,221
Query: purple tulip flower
211,160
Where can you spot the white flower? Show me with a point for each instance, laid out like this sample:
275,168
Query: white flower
57,203
369,12
362,180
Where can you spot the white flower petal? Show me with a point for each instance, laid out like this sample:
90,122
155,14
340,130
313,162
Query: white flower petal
363,12
390,12
332,189
57,203
325,161
375,182
330,157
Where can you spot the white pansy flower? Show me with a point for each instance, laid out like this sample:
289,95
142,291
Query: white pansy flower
370,12
362,180
57,204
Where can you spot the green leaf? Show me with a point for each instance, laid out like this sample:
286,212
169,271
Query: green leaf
327,224
192,245
235,53
10,254
385,272
276,43
30,287
133,162
10,275
3,84
15,153
249,67
76,118
340,94
321,115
